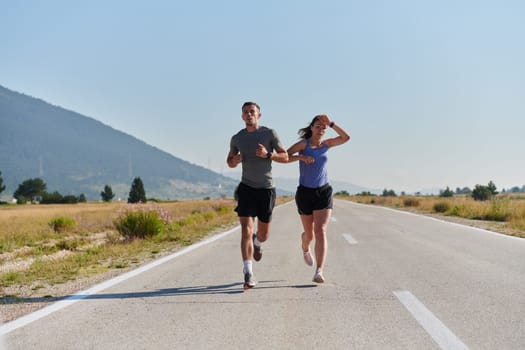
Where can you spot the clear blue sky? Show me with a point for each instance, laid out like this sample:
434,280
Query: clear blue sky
431,92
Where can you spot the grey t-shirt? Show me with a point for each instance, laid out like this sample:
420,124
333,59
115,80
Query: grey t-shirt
256,171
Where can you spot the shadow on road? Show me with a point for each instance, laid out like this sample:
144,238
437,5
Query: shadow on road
230,288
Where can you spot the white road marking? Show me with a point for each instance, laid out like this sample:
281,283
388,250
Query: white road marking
25,320
432,325
333,219
434,219
349,238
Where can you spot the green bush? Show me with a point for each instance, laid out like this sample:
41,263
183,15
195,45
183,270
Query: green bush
342,193
411,202
61,223
499,210
141,221
459,210
21,200
57,198
69,244
441,207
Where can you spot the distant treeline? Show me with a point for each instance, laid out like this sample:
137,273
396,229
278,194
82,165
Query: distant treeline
515,189
480,192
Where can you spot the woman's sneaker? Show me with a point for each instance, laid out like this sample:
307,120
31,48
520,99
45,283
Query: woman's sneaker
308,258
318,277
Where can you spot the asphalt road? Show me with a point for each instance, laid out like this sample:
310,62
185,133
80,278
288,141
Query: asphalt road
393,281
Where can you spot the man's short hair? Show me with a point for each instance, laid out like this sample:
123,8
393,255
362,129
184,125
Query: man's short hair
250,103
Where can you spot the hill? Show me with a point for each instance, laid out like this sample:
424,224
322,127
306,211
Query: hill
76,154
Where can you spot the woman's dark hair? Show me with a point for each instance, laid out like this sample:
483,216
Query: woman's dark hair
306,133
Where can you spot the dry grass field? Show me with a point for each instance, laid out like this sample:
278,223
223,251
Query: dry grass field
503,213
48,252
42,262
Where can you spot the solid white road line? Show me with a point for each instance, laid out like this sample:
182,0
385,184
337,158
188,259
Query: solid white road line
349,238
432,325
435,219
25,320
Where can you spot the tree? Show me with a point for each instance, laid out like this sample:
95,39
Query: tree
365,193
52,198
446,193
2,187
57,198
107,195
389,193
492,188
29,189
137,193
466,190
481,193
342,193
70,199
515,189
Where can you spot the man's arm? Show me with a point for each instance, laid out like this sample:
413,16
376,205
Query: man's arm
280,155
233,159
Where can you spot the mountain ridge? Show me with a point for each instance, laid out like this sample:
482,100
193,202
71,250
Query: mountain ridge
77,154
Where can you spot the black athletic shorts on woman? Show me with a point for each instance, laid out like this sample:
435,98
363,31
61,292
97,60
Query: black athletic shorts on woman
255,202
310,199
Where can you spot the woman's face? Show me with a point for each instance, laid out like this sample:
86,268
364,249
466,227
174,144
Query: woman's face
318,128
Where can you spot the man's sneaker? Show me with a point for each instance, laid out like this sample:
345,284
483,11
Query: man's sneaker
249,281
308,258
257,250
318,277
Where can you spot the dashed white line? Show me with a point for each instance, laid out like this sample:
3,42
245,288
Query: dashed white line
349,238
430,323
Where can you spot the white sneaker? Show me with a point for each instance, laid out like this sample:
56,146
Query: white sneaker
318,277
249,281
308,258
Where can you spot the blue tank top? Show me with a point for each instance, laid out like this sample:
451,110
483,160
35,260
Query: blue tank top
315,174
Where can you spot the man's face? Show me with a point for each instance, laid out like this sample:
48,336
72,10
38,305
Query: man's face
250,115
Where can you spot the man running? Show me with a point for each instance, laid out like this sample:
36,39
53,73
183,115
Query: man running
255,147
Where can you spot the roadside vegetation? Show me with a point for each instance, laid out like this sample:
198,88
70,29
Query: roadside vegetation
44,245
504,213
